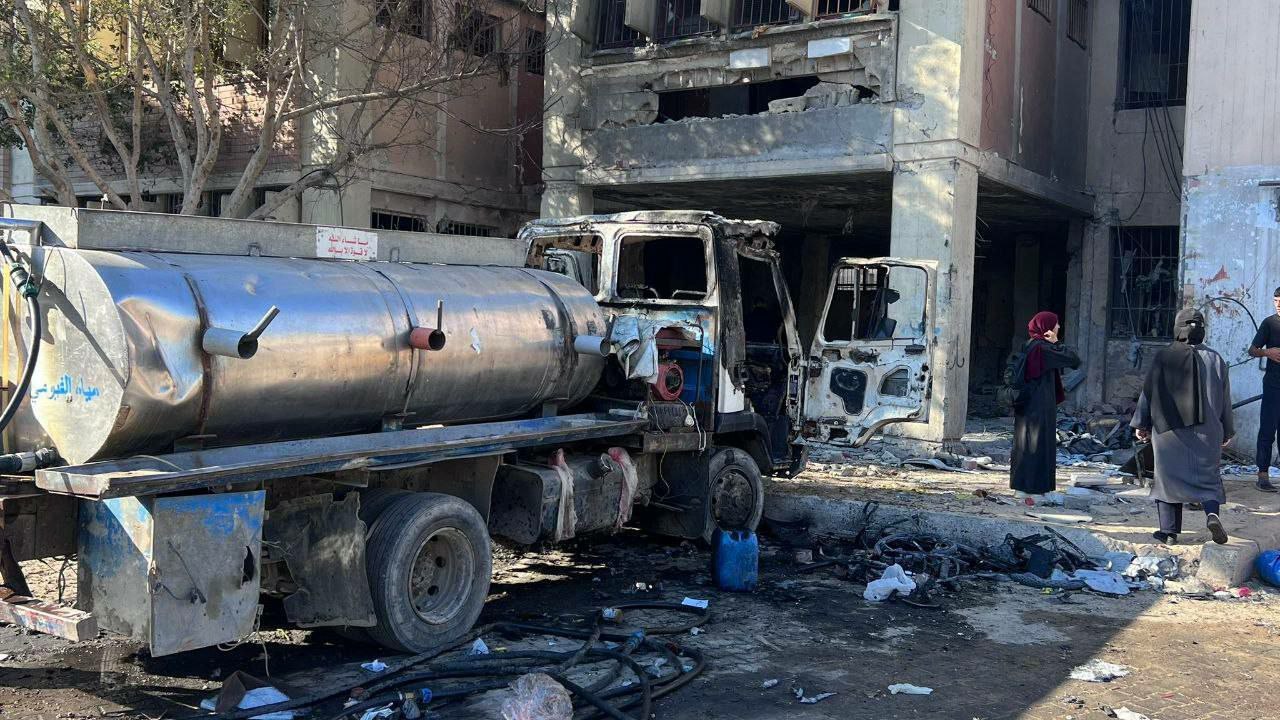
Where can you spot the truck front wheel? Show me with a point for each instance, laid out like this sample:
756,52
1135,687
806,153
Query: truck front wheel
736,496
429,562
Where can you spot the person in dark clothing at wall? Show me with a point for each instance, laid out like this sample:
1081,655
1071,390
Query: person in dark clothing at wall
1266,344
1185,409
1035,422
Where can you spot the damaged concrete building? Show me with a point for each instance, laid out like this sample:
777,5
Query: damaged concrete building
1030,147
1231,196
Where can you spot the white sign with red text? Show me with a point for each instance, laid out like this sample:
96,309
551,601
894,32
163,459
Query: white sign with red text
346,243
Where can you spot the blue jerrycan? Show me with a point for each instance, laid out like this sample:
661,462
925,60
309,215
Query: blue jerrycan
736,560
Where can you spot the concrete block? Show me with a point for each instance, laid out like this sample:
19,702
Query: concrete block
787,105
1080,502
1227,566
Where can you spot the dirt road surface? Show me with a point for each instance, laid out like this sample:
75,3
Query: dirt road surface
995,650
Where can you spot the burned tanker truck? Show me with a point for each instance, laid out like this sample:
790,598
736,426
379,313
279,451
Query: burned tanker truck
224,419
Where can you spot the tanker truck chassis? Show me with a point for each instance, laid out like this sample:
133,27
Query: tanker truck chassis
228,427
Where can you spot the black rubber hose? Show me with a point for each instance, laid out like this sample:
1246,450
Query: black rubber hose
33,353
310,700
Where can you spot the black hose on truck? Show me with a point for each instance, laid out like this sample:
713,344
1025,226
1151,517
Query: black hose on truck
30,291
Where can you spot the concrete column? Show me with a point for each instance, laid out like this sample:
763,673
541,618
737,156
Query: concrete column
566,199
815,274
1088,293
936,128
328,204
934,212
564,92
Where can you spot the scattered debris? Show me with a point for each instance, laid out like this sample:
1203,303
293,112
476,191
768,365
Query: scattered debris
696,631
610,613
771,682
1104,581
816,698
894,579
694,602
537,696
376,666
1125,713
1061,517
1099,671
243,691
479,647
372,713
765,642
909,689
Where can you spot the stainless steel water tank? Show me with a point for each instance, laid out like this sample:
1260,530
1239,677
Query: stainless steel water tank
122,369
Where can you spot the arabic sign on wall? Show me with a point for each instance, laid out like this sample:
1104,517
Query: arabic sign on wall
346,243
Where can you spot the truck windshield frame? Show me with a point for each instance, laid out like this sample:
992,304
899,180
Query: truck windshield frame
672,261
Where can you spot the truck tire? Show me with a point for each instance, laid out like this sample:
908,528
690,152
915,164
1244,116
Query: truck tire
373,501
429,562
736,492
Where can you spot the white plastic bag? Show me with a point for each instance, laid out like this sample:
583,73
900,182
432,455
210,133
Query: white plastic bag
894,578
537,696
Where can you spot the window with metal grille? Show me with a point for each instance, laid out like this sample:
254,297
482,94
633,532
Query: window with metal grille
412,17
612,31
453,227
387,220
748,14
1044,8
1154,63
1144,281
535,45
476,32
831,8
1078,22
680,19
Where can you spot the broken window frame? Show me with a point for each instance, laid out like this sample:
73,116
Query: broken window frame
680,19
392,220
1145,290
860,285
416,21
692,233
1078,22
748,14
824,9
1043,8
611,30
475,31
535,56
445,226
1140,65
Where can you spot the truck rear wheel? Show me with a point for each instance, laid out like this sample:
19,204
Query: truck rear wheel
736,495
429,562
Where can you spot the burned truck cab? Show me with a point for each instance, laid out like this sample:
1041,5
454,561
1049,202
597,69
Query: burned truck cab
703,334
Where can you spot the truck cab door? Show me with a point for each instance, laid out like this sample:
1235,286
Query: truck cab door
869,364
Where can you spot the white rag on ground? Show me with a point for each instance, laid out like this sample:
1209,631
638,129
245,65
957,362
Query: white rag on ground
1103,581
1099,671
258,697
893,579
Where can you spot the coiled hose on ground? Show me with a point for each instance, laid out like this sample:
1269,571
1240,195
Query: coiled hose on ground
497,670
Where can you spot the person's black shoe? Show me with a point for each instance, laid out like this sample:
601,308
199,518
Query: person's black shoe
1165,538
1264,483
1218,532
